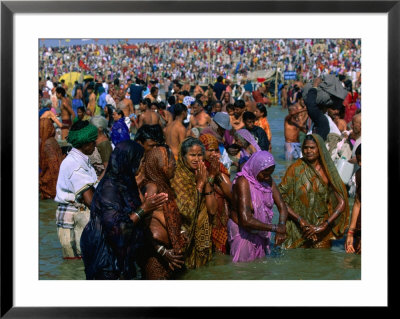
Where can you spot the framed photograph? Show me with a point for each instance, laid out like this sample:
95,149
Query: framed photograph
35,283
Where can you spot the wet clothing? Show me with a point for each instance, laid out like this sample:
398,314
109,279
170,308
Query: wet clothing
248,246
111,242
303,189
50,158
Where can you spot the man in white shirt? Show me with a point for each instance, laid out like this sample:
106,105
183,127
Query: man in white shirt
75,188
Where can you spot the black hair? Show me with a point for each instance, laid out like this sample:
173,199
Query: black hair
185,93
150,132
60,90
220,78
78,125
116,82
262,109
240,104
230,106
179,109
82,108
308,137
162,105
190,142
198,96
147,101
153,89
342,77
120,112
153,103
249,116
171,100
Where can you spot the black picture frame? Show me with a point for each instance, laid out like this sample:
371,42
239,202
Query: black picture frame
9,8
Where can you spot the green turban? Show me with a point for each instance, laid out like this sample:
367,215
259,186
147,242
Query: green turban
85,135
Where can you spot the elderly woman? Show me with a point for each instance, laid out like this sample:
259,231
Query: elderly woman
248,144
112,239
196,201
316,198
166,243
254,194
103,143
222,185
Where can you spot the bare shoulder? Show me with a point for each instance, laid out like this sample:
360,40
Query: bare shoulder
151,188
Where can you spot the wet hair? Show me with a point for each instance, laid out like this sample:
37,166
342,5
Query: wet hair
342,77
198,96
179,109
151,104
190,142
349,85
171,100
60,90
150,132
162,105
249,116
240,104
82,108
230,106
262,109
78,125
147,101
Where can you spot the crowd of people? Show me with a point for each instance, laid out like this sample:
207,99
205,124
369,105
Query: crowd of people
148,185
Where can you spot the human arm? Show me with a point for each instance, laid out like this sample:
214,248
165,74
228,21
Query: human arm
350,234
283,213
205,188
69,109
244,208
313,229
54,118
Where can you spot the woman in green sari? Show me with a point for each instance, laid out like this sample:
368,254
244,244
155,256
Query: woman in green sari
316,198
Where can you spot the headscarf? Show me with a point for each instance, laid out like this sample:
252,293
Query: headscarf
211,142
261,193
80,137
341,222
243,133
155,170
119,132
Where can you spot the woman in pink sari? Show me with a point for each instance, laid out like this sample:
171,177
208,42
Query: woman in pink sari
254,194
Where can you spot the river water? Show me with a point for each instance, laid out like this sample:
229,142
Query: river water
294,264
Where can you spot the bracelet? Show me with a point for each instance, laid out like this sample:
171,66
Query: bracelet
274,228
158,250
352,229
137,215
282,223
350,232
211,180
140,212
299,219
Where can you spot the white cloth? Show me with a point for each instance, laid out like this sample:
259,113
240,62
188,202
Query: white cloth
75,176
332,126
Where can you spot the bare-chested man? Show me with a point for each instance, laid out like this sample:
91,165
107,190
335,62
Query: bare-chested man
127,102
153,96
175,132
67,113
294,123
92,99
199,118
149,116
237,118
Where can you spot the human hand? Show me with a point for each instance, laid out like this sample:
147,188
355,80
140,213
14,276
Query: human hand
154,202
214,168
201,176
312,231
174,260
305,226
349,244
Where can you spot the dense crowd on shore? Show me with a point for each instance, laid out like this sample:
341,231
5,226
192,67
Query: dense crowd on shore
154,172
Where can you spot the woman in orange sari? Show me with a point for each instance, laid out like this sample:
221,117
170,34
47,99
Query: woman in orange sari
50,158
262,121
223,192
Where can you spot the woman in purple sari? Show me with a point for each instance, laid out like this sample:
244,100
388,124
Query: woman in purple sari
254,194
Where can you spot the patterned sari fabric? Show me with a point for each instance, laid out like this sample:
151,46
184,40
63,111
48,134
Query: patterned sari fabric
50,158
193,210
246,246
220,220
303,189
155,170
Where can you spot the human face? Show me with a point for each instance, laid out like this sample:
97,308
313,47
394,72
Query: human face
249,124
265,175
310,151
80,114
239,111
356,124
258,113
333,113
211,152
196,108
155,93
88,148
217,107
116,116
194,157
148,145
